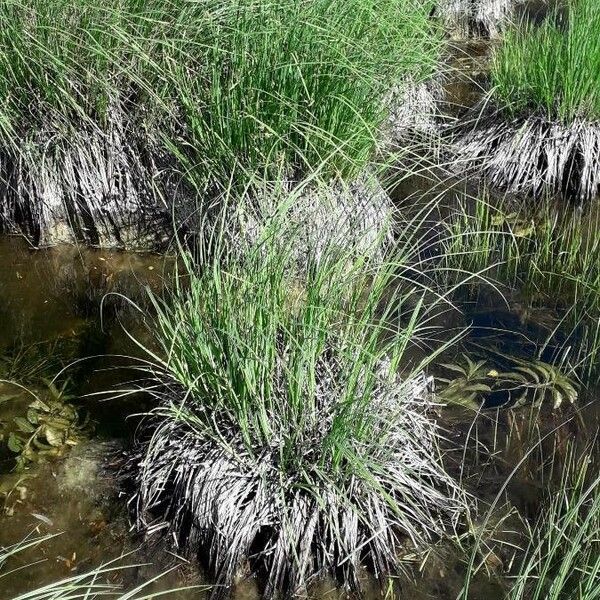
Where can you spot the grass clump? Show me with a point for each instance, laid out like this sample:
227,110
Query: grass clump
284,434
552,68
106,106
544,137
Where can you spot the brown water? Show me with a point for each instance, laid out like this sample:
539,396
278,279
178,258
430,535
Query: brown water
50,314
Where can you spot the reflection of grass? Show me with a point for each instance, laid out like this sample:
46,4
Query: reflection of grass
284,433
551,257
553,68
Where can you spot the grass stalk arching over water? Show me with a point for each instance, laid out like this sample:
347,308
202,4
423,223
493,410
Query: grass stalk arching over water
553,68
547,259
285,434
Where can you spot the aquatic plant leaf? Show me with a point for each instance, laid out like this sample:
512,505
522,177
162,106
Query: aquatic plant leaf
32,416
454,367
55,437
15,444
24,425
477,387
535,375
40,405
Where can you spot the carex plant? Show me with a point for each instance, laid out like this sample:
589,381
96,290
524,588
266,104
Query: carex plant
289,432
538,131
119,111
562,559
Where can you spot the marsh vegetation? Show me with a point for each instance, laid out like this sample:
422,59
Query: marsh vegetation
365,362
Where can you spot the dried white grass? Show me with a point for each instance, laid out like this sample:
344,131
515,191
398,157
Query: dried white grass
475,18
235,507
356,218
414,110
85,184
534,156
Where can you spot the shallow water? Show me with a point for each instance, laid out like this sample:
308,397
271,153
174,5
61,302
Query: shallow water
50,316
51,307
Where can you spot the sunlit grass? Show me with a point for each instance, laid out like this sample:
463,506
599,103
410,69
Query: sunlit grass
288,416
553,68
220,86
562,560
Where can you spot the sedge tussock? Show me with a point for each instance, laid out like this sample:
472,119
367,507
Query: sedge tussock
110,109
540,133
285,436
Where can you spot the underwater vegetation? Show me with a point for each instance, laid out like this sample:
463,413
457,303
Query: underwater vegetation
537,132
545,261
474,384
43,421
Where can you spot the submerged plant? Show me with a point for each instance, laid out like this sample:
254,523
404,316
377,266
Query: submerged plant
284,434
472,380
47,429
546,261
480,383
